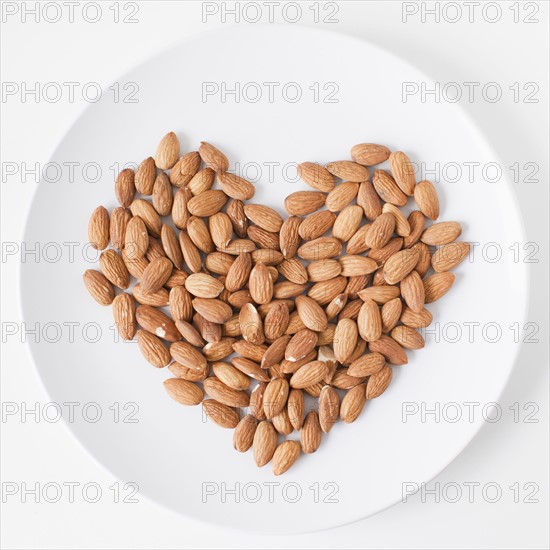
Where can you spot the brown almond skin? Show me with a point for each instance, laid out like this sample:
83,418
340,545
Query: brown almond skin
353,403
145,176
302,203
285,456
124,313
113,267
183,391
216,389
243,436
275,397
98,228
99,287
157,323
329,408
221,414
390,349
289,237
316,176
296,407
311,434
153,349
378,382
265,443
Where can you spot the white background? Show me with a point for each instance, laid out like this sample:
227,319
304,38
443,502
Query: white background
505,452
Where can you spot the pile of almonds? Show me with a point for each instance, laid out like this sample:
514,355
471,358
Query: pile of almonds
230,295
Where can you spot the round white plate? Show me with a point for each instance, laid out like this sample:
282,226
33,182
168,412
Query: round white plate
176,458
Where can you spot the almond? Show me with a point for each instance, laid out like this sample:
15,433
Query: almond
449,256
316,225
302,203
369,153
353,403
403,172
99,287
148,214
125,188
183,391
203,285
145,176
416,221
201,181
369,201
425,196
387,188
168,151
207,203
260,284
220,414
311,434
381,255
441,233
380,294
250,368
348,170
324,270
188,356
156,274
325,291
216,389
402,227
235,211
329,408
213,157
235,186
189,333
285,456
343,381
276,322
171,245
354,266
289,237
114,268
347,222
391,312
156,322
380,231
293,270
369,321
320,249
98,228
191,253
390,349
275,397
256,401
243,436
412,290
162,195
251,325
436,286
311,313
316,176
345,339
424,261
407,337
400,265
341,196
136,240
263,216
415,319
309,374
219,263
216,351
366,365
186,373
117,228
302,343
153,349
263,238
378,382
265,443
180,301
180,213
213,310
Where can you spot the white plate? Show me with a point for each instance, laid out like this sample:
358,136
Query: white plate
171,453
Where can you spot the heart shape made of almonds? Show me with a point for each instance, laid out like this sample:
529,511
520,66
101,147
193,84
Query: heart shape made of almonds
241,298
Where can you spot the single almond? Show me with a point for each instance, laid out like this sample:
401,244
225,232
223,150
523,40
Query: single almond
289,237
263,238
235,186
441,233
325,291
380,294
156,322
114,268
168,151
316,176
285,456
201,181
276,322
412,290
302,343
117,227
329,408
353,403
407,337
188,356
261,284
311,433
162,195
309,374
417,222
415,319
180,301
213,310
369,154
243,436
320,249
220,414
380,231
145,176
345,339
347,222
425,196
251,324
235,211
369,201
250,368
184,169
98,228
125,188
136,240
369,321
275,397
387,188
203,285
216,389
449,256
189,333
216,351
403,172
186,373
378,382
263,216
207,203
311,313
156,274
153,349
402,227
400,265
302,203
264,443
99,287
148,214
293,270
437,285
366,365
390,349
381,255
183,391
390,313
341,196
354,266
348,170
213,157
